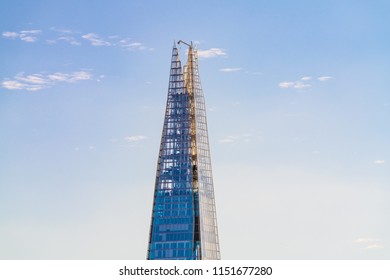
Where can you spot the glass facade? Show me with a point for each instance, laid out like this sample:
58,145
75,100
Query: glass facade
184,224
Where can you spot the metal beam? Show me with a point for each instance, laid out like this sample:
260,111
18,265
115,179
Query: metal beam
180,41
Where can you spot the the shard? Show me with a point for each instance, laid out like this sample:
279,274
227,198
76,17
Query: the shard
184,223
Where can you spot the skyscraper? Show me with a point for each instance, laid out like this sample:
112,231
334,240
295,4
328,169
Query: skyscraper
184,223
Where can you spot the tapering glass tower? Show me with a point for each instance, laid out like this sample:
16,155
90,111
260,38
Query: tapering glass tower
184,223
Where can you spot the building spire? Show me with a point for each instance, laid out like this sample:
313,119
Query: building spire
184,223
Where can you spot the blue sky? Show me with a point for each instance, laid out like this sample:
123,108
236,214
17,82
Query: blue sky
298,113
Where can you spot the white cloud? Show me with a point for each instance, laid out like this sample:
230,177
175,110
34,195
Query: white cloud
101,77
245,137
35,82
374,246
230,69
28,39
125,43
11,35
70,78
12,85
95,40
211,53
131,46
75,37
16,85
69,39
286,84
379,161
136,46
29,36
302,83
79,76
31,82
31,31
324,78
32,79
365,240
61,30
135,138
58,77
296,85
65,35
370,243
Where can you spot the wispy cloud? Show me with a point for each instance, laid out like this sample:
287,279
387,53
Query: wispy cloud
296,85
11,35
32,82
245,137
31,31
29,36
35,82
79,76
130,45
369,243
100,78
324,78
37,79
65,35
62,30
228,139
115,41
286,84
76,38
365,240
95,40
379,161
213,52
231,69
135,138
12,85
69,39
374,246
303,83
